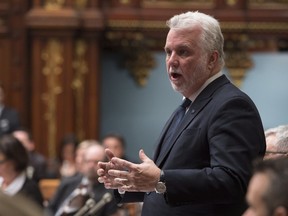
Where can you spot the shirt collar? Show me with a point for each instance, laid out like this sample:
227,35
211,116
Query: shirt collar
15,186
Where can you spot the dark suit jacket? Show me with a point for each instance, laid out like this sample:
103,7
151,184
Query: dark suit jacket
31,191
209,160
69,184
9,120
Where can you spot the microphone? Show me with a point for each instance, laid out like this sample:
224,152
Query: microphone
88,205
107,197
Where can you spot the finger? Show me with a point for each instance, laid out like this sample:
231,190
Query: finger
100,172
103,165
121,181
100,179
118,174
123,164
143,157
109,154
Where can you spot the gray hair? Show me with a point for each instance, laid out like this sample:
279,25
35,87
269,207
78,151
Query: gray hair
281,134
211,38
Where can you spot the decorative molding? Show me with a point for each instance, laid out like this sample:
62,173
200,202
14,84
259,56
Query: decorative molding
52,55
54,4
139,64
238,60
136,24
268,4
81,4
225,26
231,2
137,59
81,69
200,4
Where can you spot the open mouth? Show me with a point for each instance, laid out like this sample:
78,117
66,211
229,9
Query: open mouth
175,75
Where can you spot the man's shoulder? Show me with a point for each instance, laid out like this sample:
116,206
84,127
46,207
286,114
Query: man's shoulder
76,179
36,156
9,111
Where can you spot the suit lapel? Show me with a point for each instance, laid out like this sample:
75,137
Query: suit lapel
161,137
188,118
201,101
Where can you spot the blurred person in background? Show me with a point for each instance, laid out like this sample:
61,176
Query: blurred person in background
18,205
37,167
13,164
9,117
64,201
80,152
267,193
67,155
116,143
276,142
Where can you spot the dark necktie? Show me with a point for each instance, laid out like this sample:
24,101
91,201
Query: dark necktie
177,118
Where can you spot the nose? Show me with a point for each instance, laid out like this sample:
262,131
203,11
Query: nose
172,60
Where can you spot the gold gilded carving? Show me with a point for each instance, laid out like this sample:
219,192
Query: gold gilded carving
137,59
52,56
238,60
130,24
124,1
54,4
81,69
177,3
268,4
231,2
80,4
139,65
226,26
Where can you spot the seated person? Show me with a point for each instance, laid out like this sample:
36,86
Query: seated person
267,193
67,156
17,206
64,201
276,142
37,166
13,164
9,117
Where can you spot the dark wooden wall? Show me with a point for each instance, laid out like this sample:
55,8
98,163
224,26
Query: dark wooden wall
50,52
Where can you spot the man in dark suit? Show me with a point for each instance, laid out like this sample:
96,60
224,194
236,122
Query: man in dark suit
9,118
64,199
37,167
201,166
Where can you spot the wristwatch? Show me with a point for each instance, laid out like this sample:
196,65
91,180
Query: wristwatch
160,186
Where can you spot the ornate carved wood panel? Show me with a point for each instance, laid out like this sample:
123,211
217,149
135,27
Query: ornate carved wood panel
65,70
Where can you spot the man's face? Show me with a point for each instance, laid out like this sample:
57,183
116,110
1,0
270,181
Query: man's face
256,190
186,61
114,145
92,156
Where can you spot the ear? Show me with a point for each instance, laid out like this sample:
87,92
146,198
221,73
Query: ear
213,59
280,211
